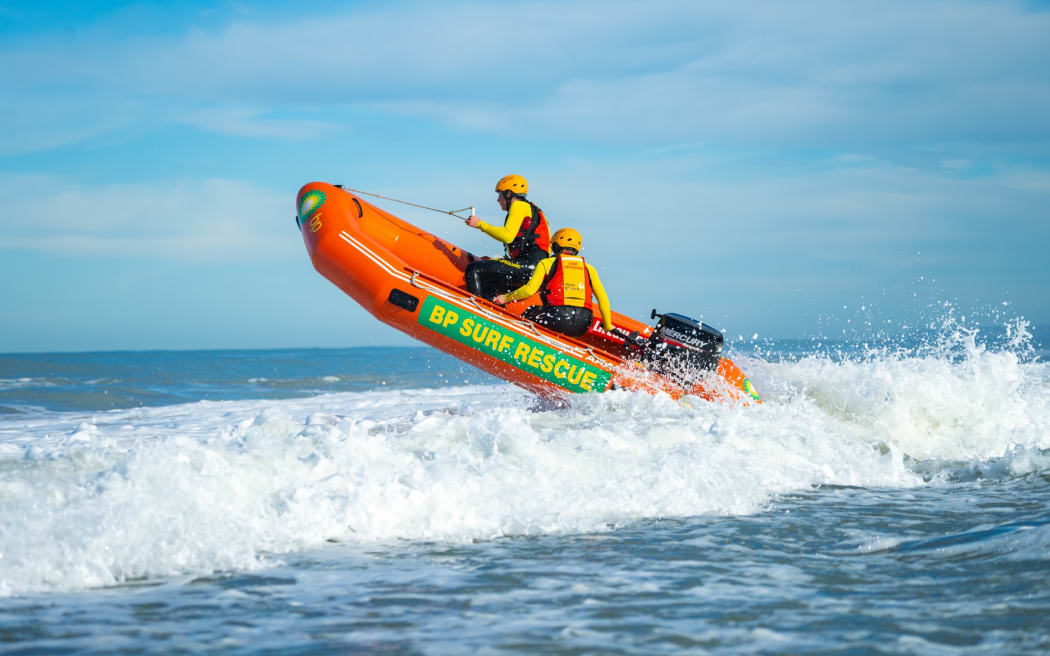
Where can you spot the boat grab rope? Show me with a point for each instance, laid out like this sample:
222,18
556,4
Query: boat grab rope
454,213
524,324
419,281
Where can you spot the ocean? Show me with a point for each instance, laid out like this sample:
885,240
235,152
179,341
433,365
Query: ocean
888,497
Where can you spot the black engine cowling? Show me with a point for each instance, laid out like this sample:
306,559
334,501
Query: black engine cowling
682,347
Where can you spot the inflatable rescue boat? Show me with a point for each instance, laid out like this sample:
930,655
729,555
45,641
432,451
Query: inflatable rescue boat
414,281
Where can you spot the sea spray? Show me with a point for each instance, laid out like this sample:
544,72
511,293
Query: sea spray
952,393
204,487
97,498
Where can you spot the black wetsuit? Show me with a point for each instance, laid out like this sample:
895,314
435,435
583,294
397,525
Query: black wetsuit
489,278
566,319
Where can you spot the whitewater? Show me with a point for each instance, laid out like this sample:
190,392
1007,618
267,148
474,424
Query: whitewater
882,500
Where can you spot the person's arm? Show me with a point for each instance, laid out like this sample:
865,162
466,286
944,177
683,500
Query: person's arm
531,287
603,299
509,230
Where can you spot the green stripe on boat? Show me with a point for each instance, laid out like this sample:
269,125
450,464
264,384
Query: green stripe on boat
503,344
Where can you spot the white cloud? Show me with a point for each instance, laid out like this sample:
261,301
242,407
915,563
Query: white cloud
186,220
819,73
681,233
1037,182
41,122
245,122
783,216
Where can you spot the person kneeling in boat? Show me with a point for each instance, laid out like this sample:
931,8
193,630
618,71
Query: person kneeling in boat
525,235
565,283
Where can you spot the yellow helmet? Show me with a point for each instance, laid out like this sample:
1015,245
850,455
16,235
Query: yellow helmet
514,184
568,238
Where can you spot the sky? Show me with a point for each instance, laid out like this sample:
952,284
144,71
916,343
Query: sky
783,169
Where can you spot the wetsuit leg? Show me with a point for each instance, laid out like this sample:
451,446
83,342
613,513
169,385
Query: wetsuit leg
479,275
520,275
567,320
516,272
488,278
475,277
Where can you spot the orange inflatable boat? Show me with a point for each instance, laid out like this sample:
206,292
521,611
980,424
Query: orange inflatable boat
414,281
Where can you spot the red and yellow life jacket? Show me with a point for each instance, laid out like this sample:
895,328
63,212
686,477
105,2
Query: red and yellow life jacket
533,230
568,283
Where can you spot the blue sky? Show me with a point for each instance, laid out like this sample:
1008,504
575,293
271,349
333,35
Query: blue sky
770,167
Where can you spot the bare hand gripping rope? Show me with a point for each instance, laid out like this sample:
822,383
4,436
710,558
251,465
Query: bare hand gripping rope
454,213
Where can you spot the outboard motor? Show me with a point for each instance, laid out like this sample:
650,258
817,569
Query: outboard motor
682,348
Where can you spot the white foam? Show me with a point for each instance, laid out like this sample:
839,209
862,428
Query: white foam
930,407
23,382
95,499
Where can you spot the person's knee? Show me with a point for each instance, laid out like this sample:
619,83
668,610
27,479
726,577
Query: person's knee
474,275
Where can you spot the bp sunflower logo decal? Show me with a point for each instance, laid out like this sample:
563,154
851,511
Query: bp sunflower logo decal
750,389
310,203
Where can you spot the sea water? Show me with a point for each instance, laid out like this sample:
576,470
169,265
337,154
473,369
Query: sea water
885,498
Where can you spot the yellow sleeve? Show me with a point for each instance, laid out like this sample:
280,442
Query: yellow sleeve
534,283
603,299
506,233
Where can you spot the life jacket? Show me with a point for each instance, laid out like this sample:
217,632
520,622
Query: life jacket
533,230
568,283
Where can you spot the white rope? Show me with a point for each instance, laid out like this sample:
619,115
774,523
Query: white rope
454,213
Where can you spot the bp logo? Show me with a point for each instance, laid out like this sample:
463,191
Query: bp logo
750,389
311,202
